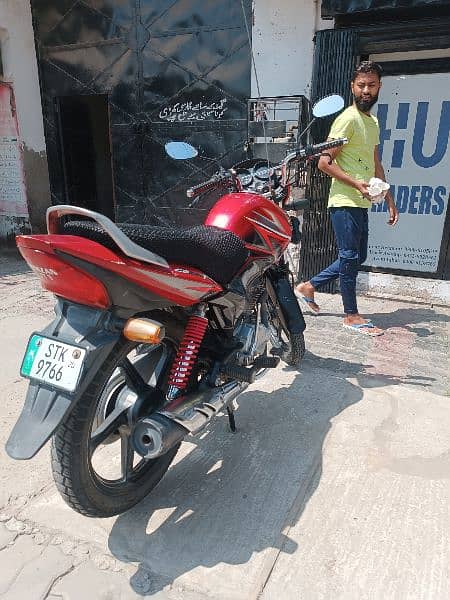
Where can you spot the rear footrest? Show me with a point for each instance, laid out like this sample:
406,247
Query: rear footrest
248,374
266,362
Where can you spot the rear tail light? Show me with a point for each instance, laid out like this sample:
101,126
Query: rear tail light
64,280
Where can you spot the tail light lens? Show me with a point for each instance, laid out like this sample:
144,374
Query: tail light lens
64,280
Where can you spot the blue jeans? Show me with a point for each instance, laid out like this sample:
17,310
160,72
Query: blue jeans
351,230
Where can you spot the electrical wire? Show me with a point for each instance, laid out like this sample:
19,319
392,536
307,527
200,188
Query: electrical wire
257,83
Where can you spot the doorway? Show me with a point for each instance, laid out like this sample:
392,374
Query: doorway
86,152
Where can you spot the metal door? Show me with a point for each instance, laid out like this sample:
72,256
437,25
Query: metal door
334,62
172,70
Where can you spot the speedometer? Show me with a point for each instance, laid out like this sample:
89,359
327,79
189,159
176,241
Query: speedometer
245,178
262,173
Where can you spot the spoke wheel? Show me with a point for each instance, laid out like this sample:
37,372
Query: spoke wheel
94,464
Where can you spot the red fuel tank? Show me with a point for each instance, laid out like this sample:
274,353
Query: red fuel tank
260,223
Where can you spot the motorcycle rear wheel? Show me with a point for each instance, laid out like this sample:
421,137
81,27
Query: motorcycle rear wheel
74,471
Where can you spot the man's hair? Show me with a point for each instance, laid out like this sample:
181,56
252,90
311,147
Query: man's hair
367,66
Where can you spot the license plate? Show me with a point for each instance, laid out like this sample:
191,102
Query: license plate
53,362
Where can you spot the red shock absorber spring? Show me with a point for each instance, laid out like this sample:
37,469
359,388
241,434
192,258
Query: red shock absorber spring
186,355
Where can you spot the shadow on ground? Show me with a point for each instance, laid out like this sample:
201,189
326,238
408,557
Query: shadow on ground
229,499
408,317
12,263
401,317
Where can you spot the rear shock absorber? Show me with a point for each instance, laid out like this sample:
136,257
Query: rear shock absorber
187,354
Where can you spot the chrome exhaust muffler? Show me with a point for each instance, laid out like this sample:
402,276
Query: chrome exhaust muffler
155,435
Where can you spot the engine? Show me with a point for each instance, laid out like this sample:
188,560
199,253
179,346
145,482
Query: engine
253,329
244,314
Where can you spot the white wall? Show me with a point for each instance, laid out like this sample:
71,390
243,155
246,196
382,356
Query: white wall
283,33
20,68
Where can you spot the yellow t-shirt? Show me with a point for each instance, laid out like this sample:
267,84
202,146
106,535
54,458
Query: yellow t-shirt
356,158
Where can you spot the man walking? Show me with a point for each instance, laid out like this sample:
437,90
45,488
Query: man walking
352,167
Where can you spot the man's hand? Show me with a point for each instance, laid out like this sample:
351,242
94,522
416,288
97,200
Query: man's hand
362,186
393,212
379,172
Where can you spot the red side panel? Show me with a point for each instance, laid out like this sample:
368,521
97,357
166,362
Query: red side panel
64,280
182,285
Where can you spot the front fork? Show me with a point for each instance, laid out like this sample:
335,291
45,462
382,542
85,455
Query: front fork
280,290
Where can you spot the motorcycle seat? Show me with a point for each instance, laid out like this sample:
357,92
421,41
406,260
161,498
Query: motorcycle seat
217,252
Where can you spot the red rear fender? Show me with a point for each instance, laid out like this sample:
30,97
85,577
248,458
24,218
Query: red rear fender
182,285
58,276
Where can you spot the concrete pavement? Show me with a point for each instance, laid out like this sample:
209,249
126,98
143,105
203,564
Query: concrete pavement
335,486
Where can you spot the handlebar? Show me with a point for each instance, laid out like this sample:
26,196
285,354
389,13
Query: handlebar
215,181
228,177
319,148
308,152
297,204
315,149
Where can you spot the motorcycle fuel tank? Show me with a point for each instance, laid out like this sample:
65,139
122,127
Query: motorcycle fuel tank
259,222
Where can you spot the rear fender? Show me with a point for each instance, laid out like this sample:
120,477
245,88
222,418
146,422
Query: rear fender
45,407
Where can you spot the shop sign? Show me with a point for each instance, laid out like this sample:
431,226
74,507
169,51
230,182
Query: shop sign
414,116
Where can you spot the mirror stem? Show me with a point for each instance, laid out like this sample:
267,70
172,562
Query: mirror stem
299,137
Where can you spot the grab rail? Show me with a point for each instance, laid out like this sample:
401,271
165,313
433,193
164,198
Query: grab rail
123,242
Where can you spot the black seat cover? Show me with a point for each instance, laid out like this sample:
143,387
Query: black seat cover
216,252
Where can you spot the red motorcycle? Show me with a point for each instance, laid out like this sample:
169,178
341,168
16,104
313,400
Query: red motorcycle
157,329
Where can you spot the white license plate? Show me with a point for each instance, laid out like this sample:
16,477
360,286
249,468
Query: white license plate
53,362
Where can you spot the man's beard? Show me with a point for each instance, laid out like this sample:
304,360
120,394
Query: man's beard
365,105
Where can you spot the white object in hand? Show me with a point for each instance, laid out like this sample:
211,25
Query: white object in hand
377,189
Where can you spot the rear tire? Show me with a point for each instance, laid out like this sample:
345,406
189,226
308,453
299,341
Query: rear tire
79,484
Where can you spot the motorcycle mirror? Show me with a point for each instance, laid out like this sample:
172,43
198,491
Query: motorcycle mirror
328,106
180,150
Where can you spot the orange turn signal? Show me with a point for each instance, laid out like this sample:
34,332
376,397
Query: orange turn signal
144,330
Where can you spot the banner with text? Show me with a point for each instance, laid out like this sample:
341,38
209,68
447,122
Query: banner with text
414,116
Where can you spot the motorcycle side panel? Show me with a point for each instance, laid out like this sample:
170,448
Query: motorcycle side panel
45,407
177,285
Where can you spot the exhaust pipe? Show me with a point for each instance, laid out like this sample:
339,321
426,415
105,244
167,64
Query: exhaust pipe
154,436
